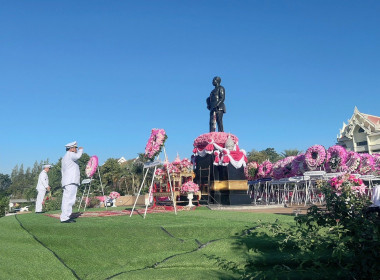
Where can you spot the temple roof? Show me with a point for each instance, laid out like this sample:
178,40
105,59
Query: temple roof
374,119
369,123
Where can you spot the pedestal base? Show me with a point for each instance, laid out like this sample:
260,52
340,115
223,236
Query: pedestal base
230,197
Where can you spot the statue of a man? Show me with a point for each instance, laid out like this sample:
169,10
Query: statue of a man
215,103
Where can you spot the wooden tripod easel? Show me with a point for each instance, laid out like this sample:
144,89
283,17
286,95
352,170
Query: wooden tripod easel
148,166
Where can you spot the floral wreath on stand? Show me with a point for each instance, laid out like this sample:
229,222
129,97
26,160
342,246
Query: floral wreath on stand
366,164
352,162
287,164
376,159
189,187
251,170
336,159
299,165
264,169
91,166
277,169
155,143
315,157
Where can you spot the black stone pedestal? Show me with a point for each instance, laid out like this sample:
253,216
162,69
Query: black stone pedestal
228,185
230,197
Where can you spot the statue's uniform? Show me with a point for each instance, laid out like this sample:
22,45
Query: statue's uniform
70,182
42,185
215,103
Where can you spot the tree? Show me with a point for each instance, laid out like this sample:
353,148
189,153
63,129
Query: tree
111,173
133,174
254,155
291,152
55,178
5,181
273,156
267,154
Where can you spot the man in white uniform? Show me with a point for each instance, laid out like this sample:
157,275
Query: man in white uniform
42,187
70,180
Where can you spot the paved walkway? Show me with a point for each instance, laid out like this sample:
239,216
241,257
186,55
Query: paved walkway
275,209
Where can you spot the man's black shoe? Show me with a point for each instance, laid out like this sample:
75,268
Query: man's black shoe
40,212
68,221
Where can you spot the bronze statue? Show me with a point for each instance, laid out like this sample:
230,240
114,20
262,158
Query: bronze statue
215,103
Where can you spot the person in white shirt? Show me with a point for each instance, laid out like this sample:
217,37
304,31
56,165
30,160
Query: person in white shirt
70,180
42,187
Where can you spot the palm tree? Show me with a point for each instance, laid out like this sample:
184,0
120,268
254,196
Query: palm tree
291,152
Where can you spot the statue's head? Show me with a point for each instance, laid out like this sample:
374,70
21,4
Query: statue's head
216,80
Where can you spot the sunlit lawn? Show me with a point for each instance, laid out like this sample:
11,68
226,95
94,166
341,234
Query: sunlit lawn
162,246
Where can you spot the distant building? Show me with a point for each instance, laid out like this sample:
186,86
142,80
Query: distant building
121,160
361,134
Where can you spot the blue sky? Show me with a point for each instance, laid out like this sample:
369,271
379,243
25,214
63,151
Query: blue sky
105,73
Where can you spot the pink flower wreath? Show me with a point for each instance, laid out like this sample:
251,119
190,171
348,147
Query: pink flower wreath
315,156
353,161
91,166
336,159
155,143
251,169
367,164
264,169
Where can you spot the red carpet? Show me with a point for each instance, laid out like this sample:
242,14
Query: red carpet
109,213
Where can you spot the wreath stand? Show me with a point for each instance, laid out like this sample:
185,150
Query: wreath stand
148,166
88,182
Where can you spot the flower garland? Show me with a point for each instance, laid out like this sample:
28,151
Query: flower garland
189,187
205,144
91,166
251,170
315,156
264,169
216,137
367,164
155,143
352,162
336,159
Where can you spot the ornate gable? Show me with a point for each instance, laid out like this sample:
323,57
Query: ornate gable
368,123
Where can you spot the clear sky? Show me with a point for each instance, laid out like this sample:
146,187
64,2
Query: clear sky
105,73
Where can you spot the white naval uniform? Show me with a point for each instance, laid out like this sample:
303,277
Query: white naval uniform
42,185
70,182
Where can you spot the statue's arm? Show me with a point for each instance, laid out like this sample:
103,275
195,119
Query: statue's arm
208,103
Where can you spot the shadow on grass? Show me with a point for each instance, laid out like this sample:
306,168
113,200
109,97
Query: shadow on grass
266,257
76,215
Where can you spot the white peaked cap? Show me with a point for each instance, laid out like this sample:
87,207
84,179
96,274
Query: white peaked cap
47,166
72,144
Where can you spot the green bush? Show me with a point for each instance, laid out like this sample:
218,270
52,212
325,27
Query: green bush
352,230
52,203
340,239
4,203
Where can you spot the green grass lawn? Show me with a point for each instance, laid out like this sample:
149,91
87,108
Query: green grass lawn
162,246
